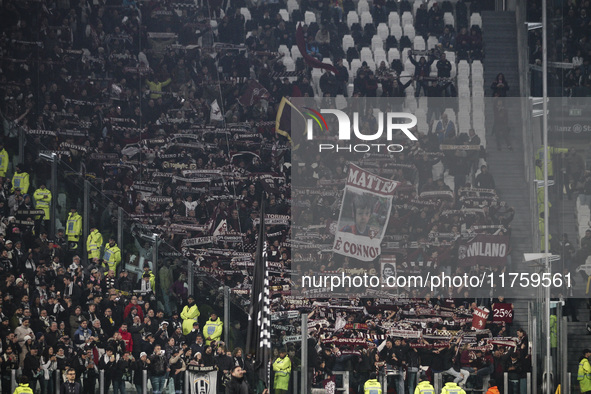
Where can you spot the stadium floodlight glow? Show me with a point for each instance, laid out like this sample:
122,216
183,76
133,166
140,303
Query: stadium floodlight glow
533,25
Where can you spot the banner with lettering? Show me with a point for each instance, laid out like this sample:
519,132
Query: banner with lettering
502,312
365,208
479,318
483,249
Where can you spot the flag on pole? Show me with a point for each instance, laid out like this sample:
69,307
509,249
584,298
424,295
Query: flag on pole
221,228
216,112
258,338
289,119
254,93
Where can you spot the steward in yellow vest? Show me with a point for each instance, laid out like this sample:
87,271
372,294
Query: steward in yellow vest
112,255
282,368
42,198
372,386
74,228
212,330
20,179
189,315
94,242
584,374
4,160
424,386
23,386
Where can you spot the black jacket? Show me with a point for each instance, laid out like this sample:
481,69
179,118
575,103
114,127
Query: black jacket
237,386
70,388
158,365
30,366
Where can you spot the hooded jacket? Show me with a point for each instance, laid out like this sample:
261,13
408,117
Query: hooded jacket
126,336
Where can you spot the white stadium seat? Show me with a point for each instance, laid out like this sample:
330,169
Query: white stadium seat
352,17
406,19
409,31
396,31
246,12
366,18
448,19
419,43
284,14
476,19
362,6
377,43
348,42
393,53
393,19
295,52
383,31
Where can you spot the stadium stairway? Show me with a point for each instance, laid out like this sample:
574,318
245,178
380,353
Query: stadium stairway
501,56
499,29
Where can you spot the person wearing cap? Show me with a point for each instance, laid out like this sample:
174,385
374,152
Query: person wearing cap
189,314
42,198
212,330
4,159
20,179
94,242
23,385
372,386
282,368
74,228
424,386
584,374
138,366
112,255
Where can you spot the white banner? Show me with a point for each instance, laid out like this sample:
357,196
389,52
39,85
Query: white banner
203,382
365,210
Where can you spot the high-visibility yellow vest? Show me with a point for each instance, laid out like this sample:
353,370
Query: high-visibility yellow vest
4,159
189,316
21,179
74,227
43,201
23,389
452,388
372,386
424,387
93,244
112,256
584,375
213,330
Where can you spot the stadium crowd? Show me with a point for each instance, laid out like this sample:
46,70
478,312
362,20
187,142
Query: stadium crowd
168,109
